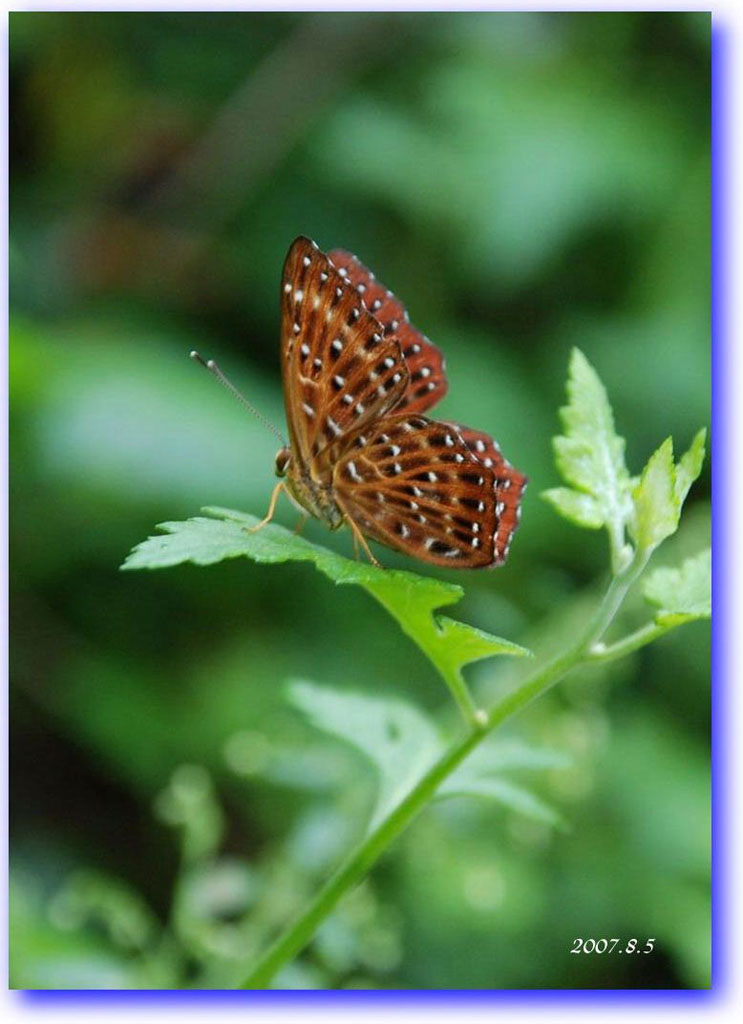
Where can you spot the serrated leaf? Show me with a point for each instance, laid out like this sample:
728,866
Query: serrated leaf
657,508
662,488
411,599
590,457
581,509
398,739
682,594
690,466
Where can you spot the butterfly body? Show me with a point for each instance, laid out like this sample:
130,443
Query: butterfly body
357,376
308,494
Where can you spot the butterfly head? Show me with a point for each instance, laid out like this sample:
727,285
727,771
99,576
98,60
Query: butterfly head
283,459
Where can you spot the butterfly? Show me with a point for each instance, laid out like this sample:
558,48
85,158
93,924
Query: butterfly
357,378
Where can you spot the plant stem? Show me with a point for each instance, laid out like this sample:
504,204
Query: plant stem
632,642
358,863
461,693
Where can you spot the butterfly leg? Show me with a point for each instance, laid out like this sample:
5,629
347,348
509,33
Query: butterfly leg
272,505
300,524
358,536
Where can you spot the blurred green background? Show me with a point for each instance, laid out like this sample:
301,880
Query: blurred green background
526,182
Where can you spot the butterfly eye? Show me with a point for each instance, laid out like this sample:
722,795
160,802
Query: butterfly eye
283,458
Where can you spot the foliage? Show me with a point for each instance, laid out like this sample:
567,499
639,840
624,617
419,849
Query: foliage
408,598
683,594
590,458
413,765
526,182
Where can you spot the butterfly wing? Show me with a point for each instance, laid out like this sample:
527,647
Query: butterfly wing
339,370
413,484
428,383
509,485
356,374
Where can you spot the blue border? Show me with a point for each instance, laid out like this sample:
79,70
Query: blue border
337,998
721,405
720,932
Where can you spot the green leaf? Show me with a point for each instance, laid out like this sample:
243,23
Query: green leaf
189,804
411,599
590,458
481,775
510,795
660,493
399,740
682,594
499,755
209,898
657,509
94,933
690,466
118,909
402,744
581,509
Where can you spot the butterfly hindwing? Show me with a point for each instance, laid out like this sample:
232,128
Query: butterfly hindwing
425,362
413,484
508,485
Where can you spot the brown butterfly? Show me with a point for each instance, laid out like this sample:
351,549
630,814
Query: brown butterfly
357,375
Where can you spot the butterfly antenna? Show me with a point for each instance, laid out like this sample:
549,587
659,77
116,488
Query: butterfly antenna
212,367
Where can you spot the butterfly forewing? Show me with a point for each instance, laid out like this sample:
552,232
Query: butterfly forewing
413,484
428,383
340,372
508,485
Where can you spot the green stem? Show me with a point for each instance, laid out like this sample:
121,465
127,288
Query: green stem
360,860
632,642
357,865
461,693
